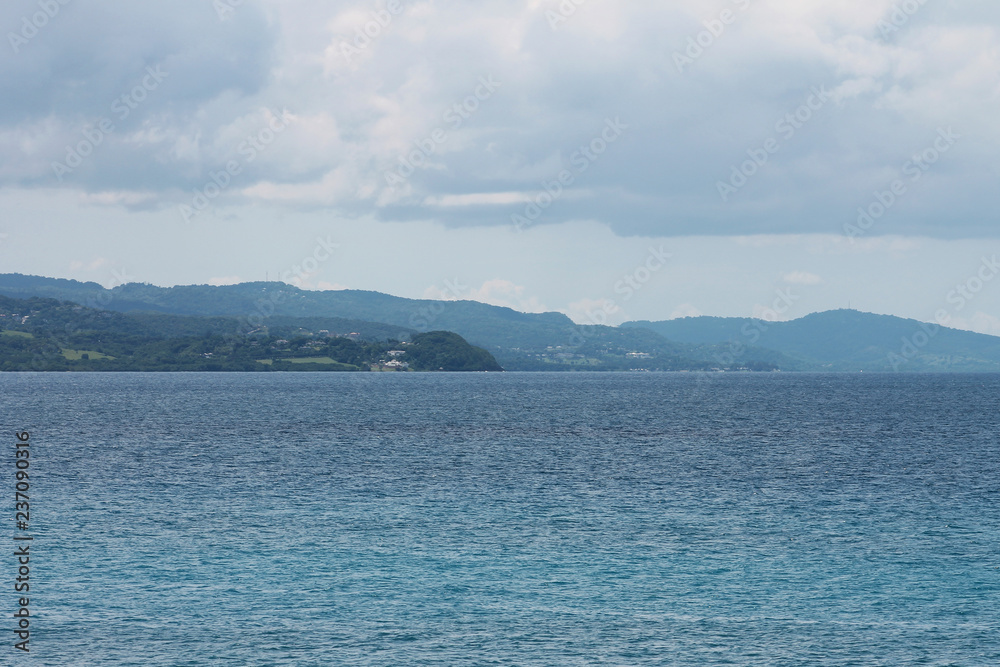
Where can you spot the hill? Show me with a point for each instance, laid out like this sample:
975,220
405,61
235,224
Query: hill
492,326
446,351
519,341
843,340
40,334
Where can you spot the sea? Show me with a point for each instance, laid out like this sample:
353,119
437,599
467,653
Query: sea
505,519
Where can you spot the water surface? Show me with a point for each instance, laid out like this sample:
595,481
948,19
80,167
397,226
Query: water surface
510,519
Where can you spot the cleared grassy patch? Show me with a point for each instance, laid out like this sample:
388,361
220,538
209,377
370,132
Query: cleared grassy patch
266,362
17,334
77,355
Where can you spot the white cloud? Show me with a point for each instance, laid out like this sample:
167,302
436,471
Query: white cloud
657,184
327,286
980,322
594,311
354,121
93,265
117,198
685,310
225,280
769,313
477,199
496,292
500,292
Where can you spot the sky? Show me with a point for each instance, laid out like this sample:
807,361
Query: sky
612,161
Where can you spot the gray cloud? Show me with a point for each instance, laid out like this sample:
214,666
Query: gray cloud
893,80
161,75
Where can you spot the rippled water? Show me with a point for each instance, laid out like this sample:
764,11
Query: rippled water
509,519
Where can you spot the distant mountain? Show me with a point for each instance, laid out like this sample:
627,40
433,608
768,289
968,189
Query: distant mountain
492,326
519,341
843,340
41,334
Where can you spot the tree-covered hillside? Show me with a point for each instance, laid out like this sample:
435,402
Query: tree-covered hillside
844,340
833,341
446,351
48,335
519,341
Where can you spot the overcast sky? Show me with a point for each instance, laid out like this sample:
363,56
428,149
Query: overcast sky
610,160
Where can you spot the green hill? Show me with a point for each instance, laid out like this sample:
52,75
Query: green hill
486,325
843,340
519,341
446,351
40,334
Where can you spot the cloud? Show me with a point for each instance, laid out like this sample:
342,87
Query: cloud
594,311
685,310
134,90
225,280
480,198
93,265
499,292
980,322
769,314
414,99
